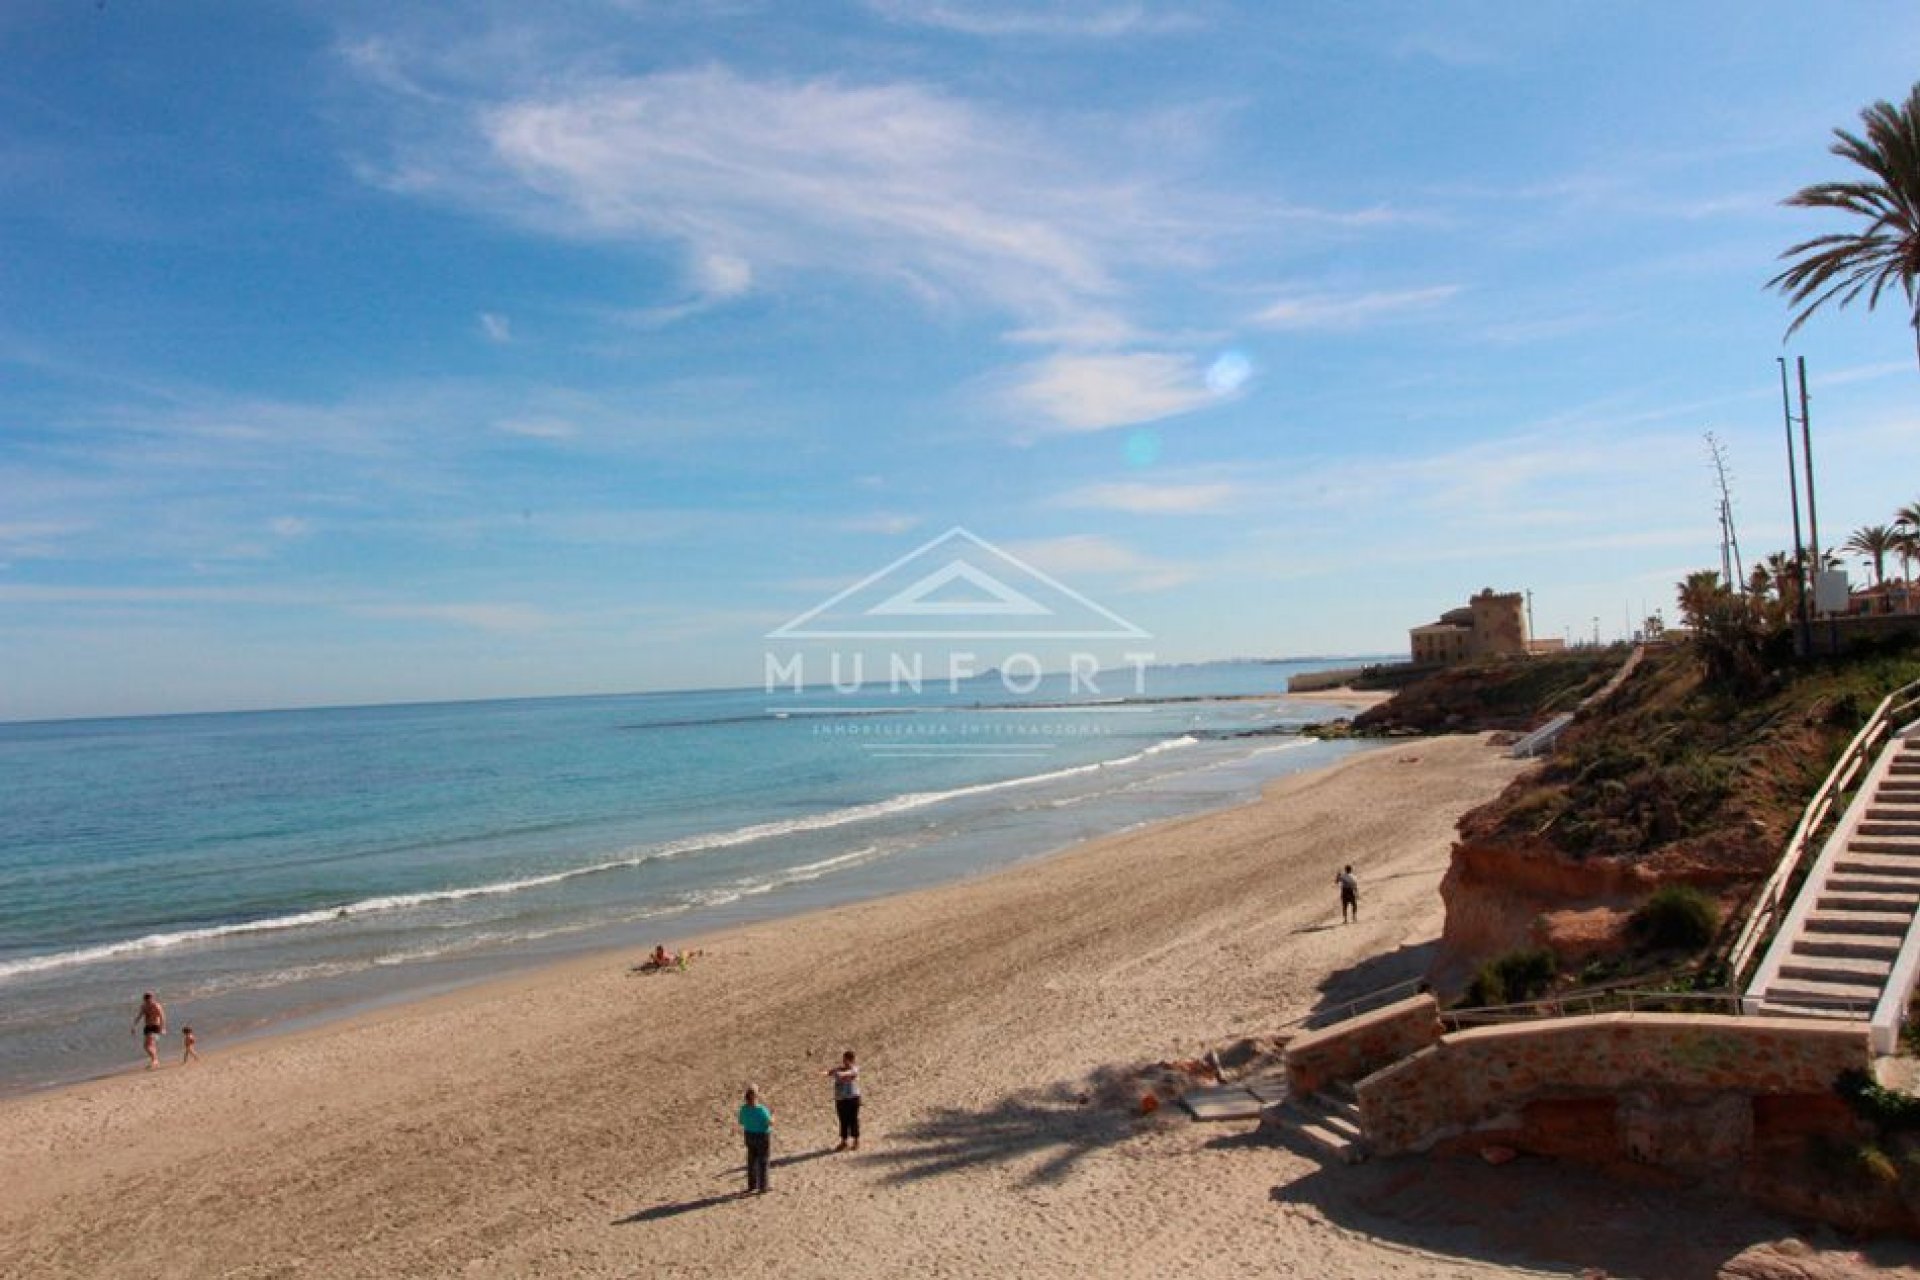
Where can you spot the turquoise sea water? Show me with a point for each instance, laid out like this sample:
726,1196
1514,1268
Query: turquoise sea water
260,868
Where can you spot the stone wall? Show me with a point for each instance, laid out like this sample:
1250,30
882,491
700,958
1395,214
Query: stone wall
1361,1046
1667,1089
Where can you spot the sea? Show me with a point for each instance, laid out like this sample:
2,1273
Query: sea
266,870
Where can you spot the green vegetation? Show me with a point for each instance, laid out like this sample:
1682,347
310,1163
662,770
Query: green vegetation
1702,773
1887,1110
1885,252
1506,693
1676,918
1514,977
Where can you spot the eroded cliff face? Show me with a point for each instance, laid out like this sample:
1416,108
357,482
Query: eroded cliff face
1503,894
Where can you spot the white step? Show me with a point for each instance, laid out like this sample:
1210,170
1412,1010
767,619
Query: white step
1859,920
1851,971
1876,862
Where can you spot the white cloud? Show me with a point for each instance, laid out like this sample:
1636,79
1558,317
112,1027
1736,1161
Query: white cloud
1091,554
887,522
496,327
538,428
1350,311
892,179
290,526
1097,18
1076,393
481,616
1137,498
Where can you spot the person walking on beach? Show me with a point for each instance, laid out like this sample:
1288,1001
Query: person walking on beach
151,1022
756,1122
187,1042
1349,894
846,1100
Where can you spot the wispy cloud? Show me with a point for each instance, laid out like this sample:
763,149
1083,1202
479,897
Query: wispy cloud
496,327
1078,393
1351,311
1086,18
1137,498
887,522
538,428
480,616
1095,555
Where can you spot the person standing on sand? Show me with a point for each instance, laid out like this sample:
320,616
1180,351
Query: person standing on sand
151,1021
187,1041
846,1100
756,1122
1349,894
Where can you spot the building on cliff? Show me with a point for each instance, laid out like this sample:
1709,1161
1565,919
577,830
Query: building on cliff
1493,624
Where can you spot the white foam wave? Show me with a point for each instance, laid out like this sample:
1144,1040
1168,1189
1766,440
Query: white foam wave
386,903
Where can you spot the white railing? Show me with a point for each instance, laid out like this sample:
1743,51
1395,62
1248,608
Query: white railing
1857,756
1541,740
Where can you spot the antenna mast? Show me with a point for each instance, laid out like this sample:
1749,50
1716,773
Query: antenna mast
1730,567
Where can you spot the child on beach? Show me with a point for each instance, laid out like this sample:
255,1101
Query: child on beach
846,1100
186,1039
756,1123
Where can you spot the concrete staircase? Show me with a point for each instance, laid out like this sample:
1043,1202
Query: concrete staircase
1838,952
1328,1122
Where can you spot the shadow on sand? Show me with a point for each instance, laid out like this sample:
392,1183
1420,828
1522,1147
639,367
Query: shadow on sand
738,1173
1551,1215
1357,982
1055,1126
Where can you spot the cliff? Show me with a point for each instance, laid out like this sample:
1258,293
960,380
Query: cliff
1674,780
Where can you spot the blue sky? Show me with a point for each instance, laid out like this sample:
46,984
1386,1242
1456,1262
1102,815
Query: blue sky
366,352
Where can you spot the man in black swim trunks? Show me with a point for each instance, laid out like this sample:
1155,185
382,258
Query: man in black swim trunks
152,1021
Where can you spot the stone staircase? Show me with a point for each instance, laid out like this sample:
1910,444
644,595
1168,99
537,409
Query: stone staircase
1328,1122
1839,948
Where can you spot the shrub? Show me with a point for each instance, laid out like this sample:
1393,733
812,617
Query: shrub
1513,977
1888,1110
1678,917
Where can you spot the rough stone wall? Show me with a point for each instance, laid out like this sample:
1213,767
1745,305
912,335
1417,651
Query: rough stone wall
1361,1046
1671,1076
1499,624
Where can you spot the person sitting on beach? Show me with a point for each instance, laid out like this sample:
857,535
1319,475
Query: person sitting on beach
659,959
1349,894
151,1021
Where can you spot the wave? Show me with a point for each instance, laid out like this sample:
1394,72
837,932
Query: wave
387,903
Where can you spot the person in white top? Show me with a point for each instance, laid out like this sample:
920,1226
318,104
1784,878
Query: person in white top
1349,894
846,1100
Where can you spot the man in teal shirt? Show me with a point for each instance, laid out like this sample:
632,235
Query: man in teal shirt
756,1122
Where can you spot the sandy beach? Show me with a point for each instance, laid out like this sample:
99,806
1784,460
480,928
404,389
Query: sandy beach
579,1121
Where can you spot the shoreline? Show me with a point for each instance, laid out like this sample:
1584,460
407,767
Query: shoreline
577,1120
508,974
384,989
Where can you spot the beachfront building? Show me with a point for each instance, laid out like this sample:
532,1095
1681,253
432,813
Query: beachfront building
1492,624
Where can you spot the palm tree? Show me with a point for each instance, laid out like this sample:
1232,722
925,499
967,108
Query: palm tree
1699,593
1874,541
1839,267
1906,522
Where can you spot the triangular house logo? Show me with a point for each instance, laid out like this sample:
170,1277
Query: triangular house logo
958,587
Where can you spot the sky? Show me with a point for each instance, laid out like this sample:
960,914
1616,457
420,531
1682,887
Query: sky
383,352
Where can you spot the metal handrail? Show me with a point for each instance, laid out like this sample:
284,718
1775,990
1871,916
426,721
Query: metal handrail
1768,902
1621,999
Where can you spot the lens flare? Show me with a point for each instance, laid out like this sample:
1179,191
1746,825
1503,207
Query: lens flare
1143,447
1228,373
